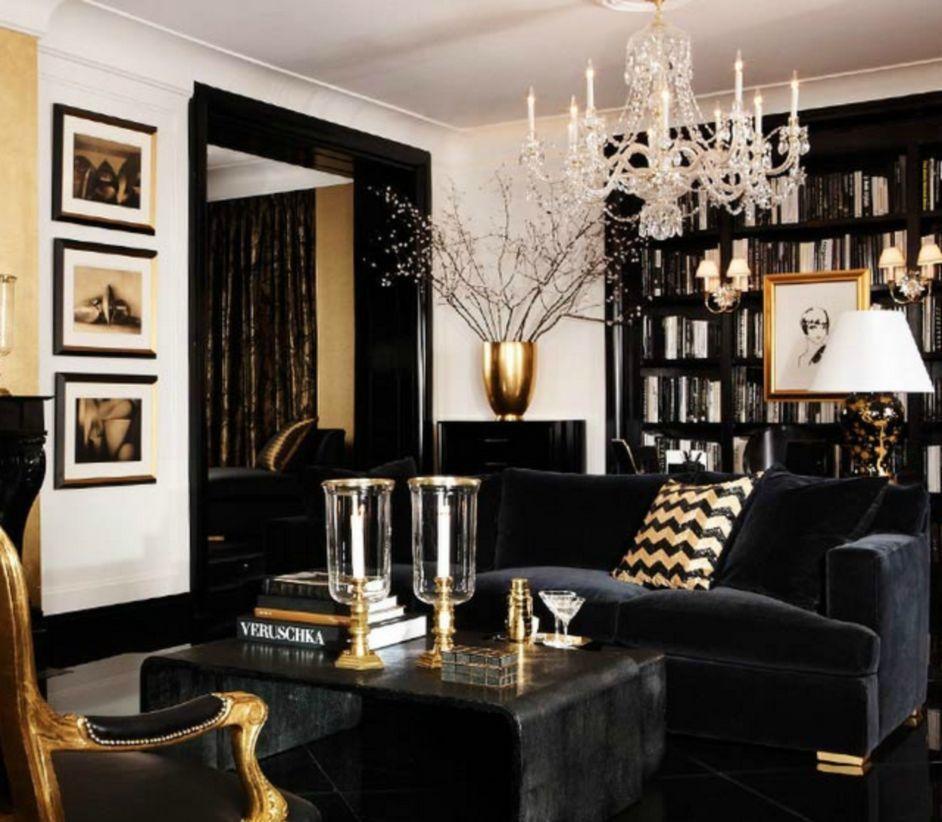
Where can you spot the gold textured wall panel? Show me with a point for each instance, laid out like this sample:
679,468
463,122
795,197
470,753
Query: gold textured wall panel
19,372
335,317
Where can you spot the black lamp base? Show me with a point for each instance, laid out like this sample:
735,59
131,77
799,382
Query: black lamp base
872,426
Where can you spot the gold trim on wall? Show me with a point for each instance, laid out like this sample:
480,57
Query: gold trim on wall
859,276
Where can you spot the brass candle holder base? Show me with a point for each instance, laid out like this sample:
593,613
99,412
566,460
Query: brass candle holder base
443,627
359,657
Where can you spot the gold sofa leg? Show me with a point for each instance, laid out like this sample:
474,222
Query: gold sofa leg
915,718
843,764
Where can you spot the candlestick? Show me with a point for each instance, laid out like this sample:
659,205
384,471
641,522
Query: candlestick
357,552
738,67
359,657
795,95
589,87
443,625
758,106
531,112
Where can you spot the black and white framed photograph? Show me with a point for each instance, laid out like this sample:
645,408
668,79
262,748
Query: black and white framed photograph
800,311
104,170
105,429
105,300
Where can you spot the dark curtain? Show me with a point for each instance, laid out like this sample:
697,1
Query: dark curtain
261,313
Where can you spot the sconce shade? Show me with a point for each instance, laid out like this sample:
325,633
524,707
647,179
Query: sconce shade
891,257
709,272
929,254
738,270
871,352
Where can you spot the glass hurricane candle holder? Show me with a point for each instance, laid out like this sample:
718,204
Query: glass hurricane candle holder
358,563
444,541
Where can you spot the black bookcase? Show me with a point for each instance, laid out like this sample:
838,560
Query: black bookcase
860,137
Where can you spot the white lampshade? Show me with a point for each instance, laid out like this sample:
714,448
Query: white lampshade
708,272
891,257
738,271
929,254
871,352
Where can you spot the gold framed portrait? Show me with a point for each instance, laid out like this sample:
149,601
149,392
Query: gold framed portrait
799,313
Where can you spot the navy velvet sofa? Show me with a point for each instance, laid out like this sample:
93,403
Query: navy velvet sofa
741,666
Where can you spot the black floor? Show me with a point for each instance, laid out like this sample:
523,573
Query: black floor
700,780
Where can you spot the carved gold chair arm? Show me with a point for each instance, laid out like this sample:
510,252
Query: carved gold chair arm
244,714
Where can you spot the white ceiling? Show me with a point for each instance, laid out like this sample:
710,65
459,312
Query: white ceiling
468,62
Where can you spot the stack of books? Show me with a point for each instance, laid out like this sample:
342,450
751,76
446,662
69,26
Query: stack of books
297,610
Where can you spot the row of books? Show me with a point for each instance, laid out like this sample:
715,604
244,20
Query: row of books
749,404
676,455
748,333
840,195
679,338
681,399
931,183
931,324
933,464
698,214
827,254
296,610
932,403
671,273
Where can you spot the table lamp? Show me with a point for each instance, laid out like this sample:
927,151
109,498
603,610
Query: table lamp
871,357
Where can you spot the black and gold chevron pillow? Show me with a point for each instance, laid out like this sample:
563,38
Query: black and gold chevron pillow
280,450
684,534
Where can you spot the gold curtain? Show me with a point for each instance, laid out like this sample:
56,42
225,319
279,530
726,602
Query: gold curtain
261,315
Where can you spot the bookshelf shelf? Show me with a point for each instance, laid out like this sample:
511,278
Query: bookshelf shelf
853,225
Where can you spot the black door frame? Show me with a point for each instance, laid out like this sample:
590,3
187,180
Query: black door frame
400,385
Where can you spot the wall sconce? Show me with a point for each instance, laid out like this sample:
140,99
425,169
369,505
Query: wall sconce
719,296
910,286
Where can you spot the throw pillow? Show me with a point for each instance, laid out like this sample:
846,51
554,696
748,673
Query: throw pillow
280,451
684,534
792,524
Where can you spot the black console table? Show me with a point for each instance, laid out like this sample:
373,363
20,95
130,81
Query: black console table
484,447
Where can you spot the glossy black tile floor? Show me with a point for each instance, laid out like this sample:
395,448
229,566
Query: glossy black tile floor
351,780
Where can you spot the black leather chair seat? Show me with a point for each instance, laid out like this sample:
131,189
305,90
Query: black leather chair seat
229,483
148,787
740,627
598,617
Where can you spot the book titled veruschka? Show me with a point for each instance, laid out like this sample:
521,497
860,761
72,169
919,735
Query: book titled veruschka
328,637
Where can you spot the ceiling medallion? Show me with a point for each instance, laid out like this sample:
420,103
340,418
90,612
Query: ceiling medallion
661,148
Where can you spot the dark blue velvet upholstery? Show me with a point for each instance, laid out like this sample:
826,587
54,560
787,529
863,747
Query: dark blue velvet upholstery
598,617
741,665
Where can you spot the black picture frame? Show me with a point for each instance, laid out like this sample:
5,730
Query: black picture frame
63,379
59,211
59,346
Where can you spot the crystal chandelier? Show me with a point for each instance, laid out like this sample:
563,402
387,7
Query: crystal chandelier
661,148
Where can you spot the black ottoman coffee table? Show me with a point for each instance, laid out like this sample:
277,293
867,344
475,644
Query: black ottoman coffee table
575,737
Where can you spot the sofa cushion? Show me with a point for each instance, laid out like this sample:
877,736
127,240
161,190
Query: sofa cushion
598,617
573,520
281,452
792,524
745,628
684,534
489,497
903,510
250,483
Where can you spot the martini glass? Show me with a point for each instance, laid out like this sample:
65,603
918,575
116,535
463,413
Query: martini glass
564,605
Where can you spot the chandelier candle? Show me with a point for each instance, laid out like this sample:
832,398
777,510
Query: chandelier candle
661,147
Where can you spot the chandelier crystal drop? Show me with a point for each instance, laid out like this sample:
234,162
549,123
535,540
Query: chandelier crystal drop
661,148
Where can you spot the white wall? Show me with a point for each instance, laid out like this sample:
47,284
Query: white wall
109,545
102,546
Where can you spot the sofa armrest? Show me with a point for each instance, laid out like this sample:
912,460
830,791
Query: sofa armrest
882,581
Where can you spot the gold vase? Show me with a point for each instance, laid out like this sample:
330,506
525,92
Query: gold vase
509,374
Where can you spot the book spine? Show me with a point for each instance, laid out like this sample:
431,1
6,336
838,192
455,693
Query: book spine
283,588
308,618
294,635
312,605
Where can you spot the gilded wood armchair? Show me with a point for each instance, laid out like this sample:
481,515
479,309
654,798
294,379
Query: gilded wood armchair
75,768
